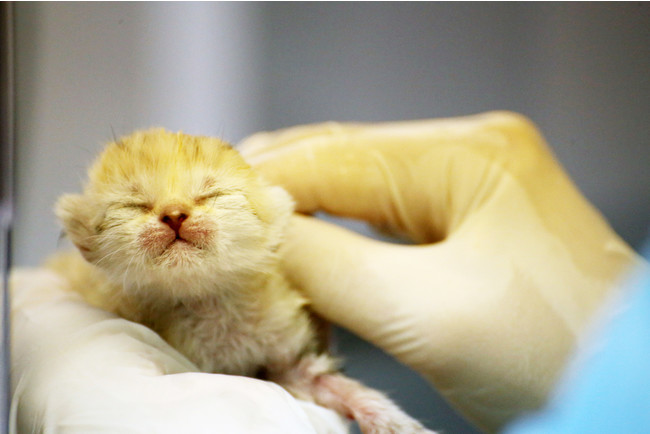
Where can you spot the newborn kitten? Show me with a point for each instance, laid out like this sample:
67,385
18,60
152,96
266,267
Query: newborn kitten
180,234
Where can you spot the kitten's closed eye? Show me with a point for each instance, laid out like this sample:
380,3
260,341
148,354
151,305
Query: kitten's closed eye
138,205
212,195
135,205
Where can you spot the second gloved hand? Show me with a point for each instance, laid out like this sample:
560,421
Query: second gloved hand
511,265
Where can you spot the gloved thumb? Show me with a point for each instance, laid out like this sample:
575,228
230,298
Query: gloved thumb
335,268
383,292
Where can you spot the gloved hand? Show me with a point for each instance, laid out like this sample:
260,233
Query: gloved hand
78,369
511,263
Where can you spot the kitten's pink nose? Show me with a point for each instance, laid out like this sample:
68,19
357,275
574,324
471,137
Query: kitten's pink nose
173,217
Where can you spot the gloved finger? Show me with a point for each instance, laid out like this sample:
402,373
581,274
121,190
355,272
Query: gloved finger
335,169
419,177
323,169
391,295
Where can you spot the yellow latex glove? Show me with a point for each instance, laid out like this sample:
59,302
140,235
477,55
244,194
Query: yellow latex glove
511,265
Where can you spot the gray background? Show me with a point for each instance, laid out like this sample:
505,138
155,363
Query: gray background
580,71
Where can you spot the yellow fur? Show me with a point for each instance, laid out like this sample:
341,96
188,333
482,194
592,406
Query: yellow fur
179,233
136,268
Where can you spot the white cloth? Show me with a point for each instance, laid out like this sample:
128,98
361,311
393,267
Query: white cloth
78,369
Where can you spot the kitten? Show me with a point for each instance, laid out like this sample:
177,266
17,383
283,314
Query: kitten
180,234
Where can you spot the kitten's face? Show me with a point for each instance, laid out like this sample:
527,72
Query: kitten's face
173,210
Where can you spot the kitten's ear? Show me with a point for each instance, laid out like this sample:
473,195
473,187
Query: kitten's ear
73,210
277,212
283,202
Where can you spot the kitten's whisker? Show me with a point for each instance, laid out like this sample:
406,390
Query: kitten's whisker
126,273
111,254
106,256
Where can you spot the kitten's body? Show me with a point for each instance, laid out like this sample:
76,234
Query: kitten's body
242,333
179,234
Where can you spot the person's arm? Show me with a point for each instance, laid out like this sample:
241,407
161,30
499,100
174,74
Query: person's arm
511,262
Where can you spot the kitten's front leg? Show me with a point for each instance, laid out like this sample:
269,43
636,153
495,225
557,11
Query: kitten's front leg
314,378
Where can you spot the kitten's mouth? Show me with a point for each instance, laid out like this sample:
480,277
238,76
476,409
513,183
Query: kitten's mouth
181,244
179,253
178,241
165,245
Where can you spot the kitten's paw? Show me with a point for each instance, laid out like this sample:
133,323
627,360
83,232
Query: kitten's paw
312,379
391,422
374,412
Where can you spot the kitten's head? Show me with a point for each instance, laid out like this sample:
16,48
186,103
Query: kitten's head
171,210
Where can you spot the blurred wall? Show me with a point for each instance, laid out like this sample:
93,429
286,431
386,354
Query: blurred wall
229,69
579,70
